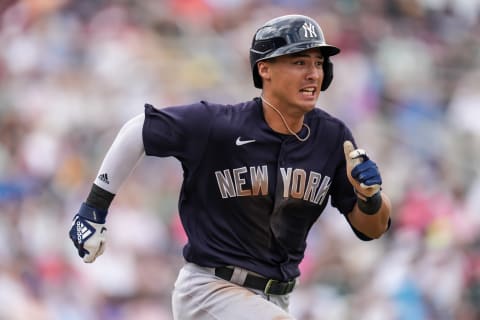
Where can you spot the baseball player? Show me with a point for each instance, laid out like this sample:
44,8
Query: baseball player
257,175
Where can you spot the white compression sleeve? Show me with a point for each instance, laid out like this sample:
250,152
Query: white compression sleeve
122,157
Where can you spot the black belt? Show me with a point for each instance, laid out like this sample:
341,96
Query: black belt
268,286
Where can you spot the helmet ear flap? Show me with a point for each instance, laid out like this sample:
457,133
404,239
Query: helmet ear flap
327,73
257,80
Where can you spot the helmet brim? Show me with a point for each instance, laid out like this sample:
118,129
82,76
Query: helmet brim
326,49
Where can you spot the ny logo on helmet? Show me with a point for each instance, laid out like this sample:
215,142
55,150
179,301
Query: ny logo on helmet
309,29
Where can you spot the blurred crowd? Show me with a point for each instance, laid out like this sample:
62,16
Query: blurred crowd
72,72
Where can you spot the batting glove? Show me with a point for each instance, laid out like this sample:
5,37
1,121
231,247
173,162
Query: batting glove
362,172
88,232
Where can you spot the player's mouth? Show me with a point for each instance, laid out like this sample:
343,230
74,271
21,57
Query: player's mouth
308,91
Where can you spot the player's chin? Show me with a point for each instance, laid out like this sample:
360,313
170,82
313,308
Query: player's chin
308,104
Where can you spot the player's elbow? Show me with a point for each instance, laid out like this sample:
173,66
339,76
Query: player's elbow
370,226
367,236
377,232
378,229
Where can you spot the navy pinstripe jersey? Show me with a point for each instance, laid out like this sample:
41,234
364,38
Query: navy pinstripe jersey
250,195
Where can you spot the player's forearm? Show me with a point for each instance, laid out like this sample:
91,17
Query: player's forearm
121,158
374,224
88,231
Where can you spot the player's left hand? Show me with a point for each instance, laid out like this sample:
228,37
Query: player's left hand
362,172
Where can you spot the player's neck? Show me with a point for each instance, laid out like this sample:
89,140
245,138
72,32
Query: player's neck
279,119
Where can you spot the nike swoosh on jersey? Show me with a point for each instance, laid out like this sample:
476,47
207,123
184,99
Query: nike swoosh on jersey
240,142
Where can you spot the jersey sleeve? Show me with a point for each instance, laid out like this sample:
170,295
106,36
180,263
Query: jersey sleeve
343,195
178,131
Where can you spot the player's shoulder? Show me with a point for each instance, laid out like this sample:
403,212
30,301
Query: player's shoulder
208,106
328,127
236,107
322,116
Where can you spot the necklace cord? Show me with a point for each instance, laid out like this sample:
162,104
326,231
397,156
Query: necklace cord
285,122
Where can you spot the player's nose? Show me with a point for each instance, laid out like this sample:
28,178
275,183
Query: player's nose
314,72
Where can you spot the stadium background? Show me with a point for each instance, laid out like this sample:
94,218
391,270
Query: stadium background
71,72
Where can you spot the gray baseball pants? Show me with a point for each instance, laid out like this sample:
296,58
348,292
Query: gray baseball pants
200,295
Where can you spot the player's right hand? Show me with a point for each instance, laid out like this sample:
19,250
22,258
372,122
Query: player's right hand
88,237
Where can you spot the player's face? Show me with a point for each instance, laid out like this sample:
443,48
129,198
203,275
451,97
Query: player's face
294,81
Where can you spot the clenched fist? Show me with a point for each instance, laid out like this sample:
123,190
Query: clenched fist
88,233
362,172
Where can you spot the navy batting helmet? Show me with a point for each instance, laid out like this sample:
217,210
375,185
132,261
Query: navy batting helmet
286,35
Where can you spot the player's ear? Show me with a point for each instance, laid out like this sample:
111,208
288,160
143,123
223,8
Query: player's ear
264,70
